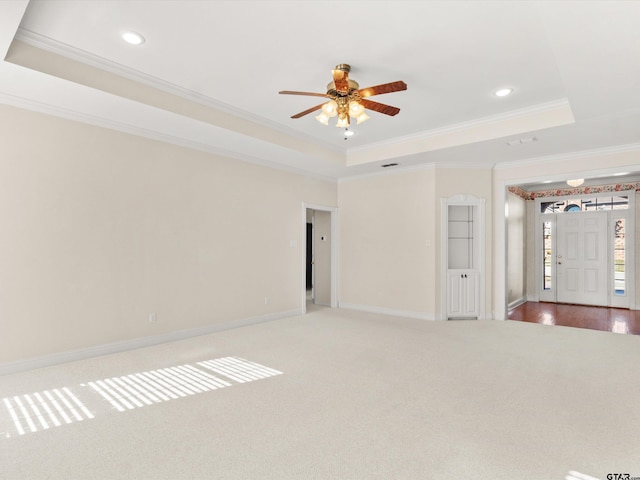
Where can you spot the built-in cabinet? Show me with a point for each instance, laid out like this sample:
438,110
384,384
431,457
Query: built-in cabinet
463,300
463,256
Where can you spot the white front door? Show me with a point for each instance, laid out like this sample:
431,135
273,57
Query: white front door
581,258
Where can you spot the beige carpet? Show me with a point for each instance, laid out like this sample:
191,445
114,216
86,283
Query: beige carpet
360,396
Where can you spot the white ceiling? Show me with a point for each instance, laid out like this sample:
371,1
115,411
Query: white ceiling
209,73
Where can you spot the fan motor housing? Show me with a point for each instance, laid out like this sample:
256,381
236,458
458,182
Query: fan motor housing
331,88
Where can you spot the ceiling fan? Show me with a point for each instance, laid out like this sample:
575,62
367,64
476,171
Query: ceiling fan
348,100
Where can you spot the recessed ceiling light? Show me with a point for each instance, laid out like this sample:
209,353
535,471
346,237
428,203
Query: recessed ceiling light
133,38
503,92
349,133
620,174
547,181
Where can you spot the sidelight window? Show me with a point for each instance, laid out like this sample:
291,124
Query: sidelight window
546,255
619,257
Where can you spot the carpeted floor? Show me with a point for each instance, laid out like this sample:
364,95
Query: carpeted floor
335,394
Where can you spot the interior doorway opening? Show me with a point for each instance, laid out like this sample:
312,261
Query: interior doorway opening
320,262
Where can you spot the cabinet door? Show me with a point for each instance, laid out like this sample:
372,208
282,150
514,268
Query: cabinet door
463,289
455,294
471,290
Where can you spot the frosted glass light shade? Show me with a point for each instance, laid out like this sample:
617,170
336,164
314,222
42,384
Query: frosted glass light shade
355,109
330,109
323,119
363,117
343,122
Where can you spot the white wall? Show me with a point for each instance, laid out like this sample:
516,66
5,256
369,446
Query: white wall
98,229
387,238
531,291
516,249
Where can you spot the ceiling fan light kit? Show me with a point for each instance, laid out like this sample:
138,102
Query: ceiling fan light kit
347,100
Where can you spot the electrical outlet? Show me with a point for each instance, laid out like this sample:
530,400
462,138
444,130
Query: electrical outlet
153,318
266,300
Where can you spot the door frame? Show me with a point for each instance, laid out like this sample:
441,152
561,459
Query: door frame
334,252
628,214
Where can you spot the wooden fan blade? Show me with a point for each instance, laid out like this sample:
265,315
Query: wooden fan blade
308,111
341,80
384,88
309,94
380,107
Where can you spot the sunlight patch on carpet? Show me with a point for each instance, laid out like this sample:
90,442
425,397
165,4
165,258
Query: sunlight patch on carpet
239,369
573,475
43,410
55,407
146,388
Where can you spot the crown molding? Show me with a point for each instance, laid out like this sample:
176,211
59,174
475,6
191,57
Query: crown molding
597,152
75,116
387,172
413,168
463,166
50,45
461,127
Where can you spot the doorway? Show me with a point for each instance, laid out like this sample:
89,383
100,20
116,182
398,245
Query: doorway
320,265
530,273
586,257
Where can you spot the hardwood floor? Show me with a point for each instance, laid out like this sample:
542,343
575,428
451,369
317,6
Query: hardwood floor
617,320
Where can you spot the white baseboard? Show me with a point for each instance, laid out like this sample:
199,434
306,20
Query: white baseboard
123,346
486,316
517,303
389,311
